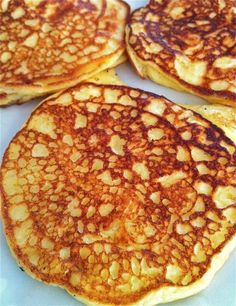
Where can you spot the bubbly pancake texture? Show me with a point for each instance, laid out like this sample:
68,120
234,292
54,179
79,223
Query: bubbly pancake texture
119,196
49,45
187,45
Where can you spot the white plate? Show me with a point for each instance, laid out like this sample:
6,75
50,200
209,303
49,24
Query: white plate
18,289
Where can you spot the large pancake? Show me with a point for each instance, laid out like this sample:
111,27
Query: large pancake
119,196
187,45
49,45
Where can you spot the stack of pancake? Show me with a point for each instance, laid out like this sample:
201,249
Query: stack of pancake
115,194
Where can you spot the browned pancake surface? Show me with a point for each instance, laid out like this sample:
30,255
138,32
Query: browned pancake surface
111,201
201,34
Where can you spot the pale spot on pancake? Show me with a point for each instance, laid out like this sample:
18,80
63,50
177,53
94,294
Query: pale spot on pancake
23,231
135,266
67,139
230,214
17,199
142,170
92,107
80,121
155,197
203,187
73,208
114,270
91,211
4,36
217,238
186,135
153,48
5,4
225,62
169,180
199,253
84,252
126,100
115,115
64,99
14,151
111,95
18,13
182,154
198,222
31,41
12,45
155,134
219,85
106,209
98,248
39,150
33,255
128,174
190,72
106,178
148,119
32,22
47,244
65,253
75,279
202,169
173,273
97,164
80,227
157,151
5,56
43,123
86,93
18,212
224,196
46,28
67,57
176,12
156,107
117,145
200,155
10,183
75,156
183,228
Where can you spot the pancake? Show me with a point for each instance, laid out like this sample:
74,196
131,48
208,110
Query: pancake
187,45
49,45
119,196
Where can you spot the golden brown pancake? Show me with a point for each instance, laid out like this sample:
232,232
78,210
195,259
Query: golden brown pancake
49,45
187,45
119,196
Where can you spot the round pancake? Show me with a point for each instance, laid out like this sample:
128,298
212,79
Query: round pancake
187,45
119,196
49,45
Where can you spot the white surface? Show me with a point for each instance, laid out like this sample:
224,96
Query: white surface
18,289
